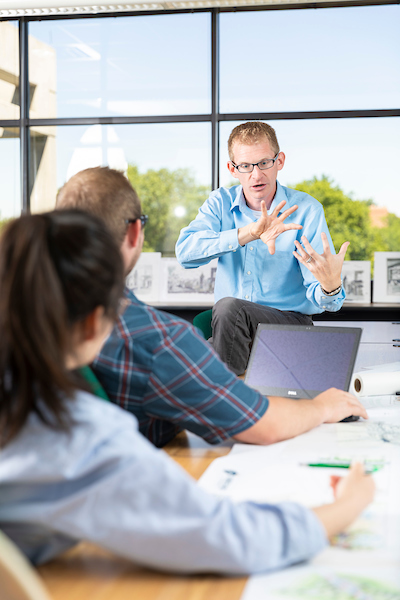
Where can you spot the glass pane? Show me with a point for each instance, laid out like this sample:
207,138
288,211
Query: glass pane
10,190
358,156
308,60
125,66
9,70
168,164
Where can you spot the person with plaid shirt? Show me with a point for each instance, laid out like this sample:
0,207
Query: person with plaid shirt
159,368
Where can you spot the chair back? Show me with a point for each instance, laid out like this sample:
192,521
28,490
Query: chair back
18,579
203,322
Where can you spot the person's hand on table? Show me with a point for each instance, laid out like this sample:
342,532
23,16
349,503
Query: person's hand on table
356,482
268,227
337,405
325,267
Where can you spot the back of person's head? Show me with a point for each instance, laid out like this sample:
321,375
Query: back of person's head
250,133
55,270
103,192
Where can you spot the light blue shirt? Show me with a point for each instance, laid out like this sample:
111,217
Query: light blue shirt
105,483
250,272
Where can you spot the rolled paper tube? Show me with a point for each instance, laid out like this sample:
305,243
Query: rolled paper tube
376,384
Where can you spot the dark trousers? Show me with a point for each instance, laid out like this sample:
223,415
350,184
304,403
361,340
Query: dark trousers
234,326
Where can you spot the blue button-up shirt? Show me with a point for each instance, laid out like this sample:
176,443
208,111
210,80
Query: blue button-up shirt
250,272
105,483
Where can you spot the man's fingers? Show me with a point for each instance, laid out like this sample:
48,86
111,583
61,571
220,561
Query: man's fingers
293,226
278,208
343,249
309,249
287,212
264,212
325,243
271,246
357,408
301,251
301,259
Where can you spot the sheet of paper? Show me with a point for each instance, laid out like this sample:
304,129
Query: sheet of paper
388,367
362,562
324,582
379,401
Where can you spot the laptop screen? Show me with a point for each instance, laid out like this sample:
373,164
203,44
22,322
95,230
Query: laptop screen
302,361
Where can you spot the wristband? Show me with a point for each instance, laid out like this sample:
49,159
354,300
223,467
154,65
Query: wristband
333,292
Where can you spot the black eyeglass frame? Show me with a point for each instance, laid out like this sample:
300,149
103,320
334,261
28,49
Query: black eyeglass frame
257,164
143,220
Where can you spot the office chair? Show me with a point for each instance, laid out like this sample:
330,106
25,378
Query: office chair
18,579
203,322
94,384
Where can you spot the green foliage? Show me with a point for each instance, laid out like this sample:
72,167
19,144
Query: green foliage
160,193
349,220
387,239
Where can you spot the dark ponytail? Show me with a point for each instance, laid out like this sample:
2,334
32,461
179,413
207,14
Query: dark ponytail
55,269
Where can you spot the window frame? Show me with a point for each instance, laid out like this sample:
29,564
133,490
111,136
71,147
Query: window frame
214,118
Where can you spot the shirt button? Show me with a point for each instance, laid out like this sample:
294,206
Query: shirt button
323,297
324,307
205,253
230,246
235,250
247,297
251,247
248,272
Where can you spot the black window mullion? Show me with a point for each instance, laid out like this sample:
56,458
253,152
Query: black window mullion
24,113
215,98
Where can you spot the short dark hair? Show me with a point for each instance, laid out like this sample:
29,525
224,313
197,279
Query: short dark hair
103,192
55,269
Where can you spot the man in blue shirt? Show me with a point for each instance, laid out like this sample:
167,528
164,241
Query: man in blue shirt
159,368
277,263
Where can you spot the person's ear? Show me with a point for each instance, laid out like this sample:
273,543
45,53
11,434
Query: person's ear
91,326
231,169
133,233
280,161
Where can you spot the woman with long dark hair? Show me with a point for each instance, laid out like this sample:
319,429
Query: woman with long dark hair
73,467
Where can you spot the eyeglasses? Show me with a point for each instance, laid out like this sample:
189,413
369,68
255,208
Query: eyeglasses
143,220
263,165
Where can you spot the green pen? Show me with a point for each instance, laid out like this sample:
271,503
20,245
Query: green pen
369,468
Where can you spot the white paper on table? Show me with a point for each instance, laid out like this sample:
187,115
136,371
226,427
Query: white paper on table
388,367
380,401
323,581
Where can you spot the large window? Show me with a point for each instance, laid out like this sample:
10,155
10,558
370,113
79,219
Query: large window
10,190
126,66
157,95
167,163
10,195
310,60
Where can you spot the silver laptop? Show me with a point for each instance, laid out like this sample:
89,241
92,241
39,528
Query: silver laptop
297,361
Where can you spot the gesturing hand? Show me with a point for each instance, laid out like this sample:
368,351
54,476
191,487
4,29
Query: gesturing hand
269,227
325,267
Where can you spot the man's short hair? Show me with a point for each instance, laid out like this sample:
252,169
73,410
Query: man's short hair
104,192
253,131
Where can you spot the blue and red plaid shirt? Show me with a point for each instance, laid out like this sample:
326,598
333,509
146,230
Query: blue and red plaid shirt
158,367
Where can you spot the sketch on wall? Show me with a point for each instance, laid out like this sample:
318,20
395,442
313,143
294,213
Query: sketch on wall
144,278
356,276
387,277
180,286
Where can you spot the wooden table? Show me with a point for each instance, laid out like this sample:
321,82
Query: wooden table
89,573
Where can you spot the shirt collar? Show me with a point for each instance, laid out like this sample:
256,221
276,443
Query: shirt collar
239,201
280,195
